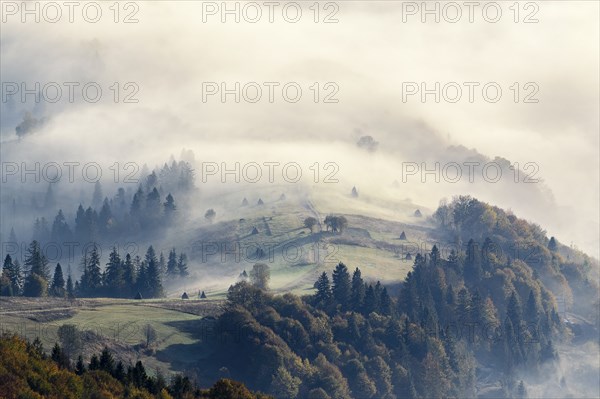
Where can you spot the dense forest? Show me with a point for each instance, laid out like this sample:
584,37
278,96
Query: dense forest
27,371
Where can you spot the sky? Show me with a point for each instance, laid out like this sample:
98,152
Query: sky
363,63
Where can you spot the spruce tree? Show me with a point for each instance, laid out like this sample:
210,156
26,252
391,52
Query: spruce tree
58,283
172,268
91,279
154,286
115,275
341,285
182,265
358,290
323,295
12,274
169,207
36,283
128,275
60,229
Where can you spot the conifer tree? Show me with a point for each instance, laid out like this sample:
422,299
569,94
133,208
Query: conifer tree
172,268
58,282
323,295
341,285
358,290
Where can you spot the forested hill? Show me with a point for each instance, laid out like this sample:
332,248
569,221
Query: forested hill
478,323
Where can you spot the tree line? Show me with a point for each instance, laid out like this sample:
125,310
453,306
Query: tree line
123,277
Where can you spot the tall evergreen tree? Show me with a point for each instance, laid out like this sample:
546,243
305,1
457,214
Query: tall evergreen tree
60,229
115,275
323,295
11,272
154,288
58,283
81,228
386,304
70,287
552,245
91,279
341,285
38,274
104,217
129,274
182,265
169,207
358,290
370,303
172,268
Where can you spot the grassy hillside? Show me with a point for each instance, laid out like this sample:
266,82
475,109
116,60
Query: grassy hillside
117,324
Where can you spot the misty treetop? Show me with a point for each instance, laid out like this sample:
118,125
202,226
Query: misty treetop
151,207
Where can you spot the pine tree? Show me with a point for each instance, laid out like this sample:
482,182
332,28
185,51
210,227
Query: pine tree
434,257
386,307
36,283
182,265
115,275
58,283
162,265
358,290
169,207
341,285
370,304
60,229
154,288
107,362
11,272
128,274
70,288
104,217
172,268
552,244
91,279
81,228
323,295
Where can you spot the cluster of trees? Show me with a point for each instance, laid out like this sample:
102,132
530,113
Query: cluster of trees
336,223
152,206
353,339
352,293
121,278
333,223
27,371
